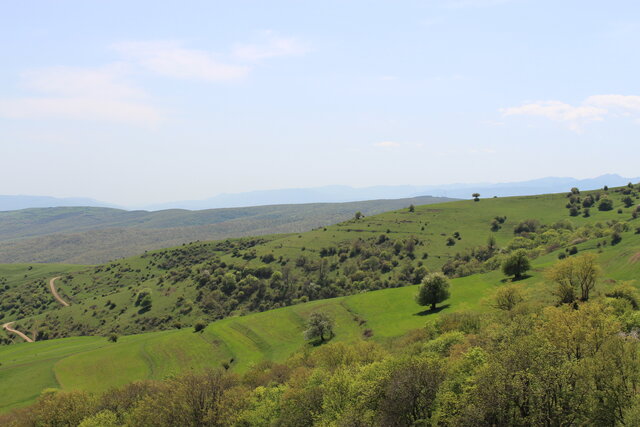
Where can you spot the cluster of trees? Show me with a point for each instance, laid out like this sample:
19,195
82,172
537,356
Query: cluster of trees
603,200
535,239
521,364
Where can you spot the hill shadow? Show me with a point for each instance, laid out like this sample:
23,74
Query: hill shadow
429,311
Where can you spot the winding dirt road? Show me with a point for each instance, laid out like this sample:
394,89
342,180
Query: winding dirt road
8,327
52,286
54,292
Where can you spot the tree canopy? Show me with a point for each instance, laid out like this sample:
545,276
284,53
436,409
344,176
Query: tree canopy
516,264
434,290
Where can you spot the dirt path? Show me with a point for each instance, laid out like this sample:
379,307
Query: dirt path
8,327
52,286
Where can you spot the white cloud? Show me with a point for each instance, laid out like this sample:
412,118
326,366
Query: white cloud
271,47
172,60
387,144
80,93
594,108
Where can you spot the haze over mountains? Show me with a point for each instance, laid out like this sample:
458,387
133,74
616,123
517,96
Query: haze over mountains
338,194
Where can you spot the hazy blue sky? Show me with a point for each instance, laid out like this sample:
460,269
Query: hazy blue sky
136,102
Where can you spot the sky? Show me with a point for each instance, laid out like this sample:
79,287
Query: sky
152,101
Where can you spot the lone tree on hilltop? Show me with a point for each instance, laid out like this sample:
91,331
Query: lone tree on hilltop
358,215
412,208
476,197
319,325
434,290
516,264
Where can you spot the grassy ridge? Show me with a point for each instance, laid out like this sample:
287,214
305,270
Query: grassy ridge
92,363
104,295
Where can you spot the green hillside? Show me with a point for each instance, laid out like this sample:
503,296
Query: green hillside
94,363
213,280
87,235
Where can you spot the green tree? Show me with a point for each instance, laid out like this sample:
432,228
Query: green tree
434,290
358,215
199,326
476,197
573,275
412,208
319,325
507,297
605,204
516,264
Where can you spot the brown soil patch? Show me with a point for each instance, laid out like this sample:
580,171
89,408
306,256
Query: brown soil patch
635,258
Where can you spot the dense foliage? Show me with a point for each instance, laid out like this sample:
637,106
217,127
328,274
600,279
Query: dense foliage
521,365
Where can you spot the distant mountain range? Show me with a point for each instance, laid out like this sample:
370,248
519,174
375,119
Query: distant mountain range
340,194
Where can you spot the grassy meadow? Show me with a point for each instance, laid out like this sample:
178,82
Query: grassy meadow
102,297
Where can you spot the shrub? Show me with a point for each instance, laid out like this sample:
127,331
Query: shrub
199,326
507,297
615,238
527,226
605,204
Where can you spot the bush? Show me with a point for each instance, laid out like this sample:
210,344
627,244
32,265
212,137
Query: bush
113,337
199,326
605,204
527,226
507,297
616,238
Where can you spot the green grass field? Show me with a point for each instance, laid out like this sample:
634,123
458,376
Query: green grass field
93,363
115,284
102,298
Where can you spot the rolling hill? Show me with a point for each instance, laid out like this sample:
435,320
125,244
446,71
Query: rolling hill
91,235
189,284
